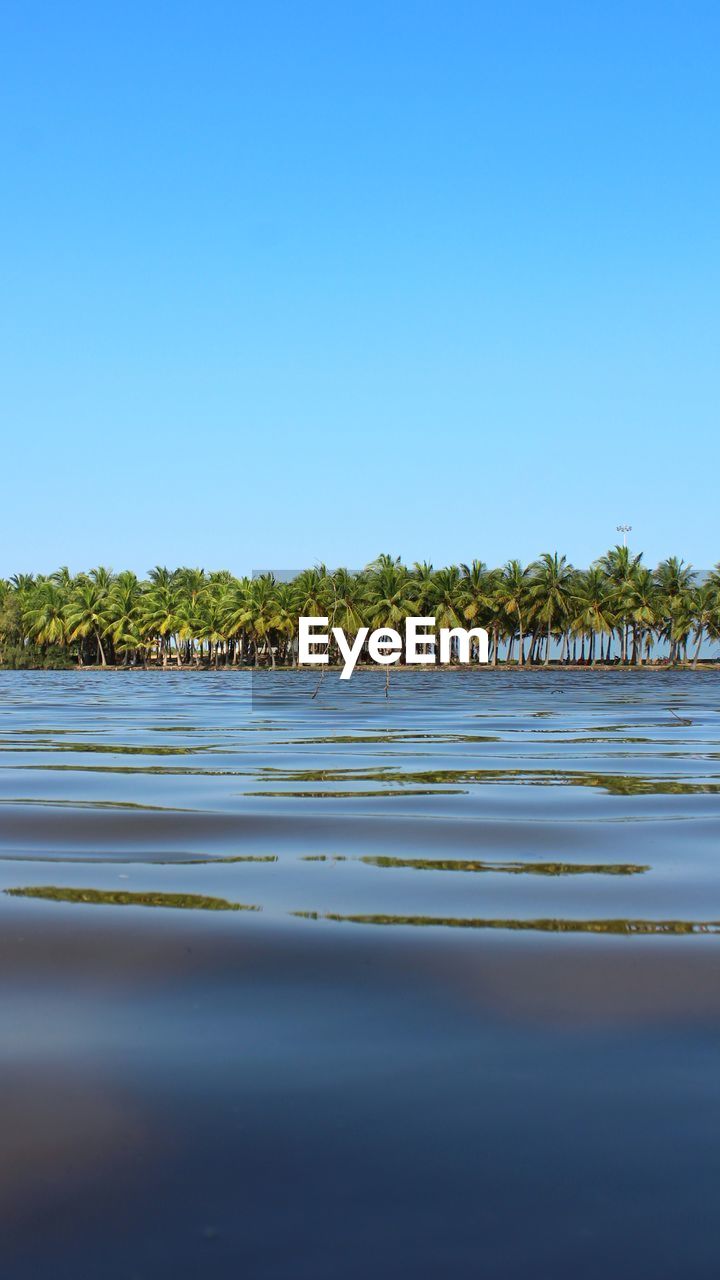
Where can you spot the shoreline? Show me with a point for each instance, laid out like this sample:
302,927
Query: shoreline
554,667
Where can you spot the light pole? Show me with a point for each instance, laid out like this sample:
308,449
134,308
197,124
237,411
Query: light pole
624,529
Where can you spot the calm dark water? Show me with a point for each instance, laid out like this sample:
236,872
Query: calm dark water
347,986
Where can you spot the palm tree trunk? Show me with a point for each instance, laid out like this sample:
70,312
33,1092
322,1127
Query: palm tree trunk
547,646
101,651
696,654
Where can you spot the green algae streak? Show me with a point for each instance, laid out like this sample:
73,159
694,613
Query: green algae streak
121,898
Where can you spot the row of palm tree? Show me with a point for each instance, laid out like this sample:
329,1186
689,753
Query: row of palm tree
618,610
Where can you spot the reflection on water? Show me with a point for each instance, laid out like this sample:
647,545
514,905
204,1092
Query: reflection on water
383,793
237,1083
614,784
117,898
541,926
510,868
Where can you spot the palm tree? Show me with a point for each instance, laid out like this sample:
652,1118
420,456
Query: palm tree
705,614
88,615
639,603
445,600
233,609
619,565
392,594
512,597
551,592
593,613
423,575
675,581
160,576
124,610
212,619
62,577
44,615
199,617
349,600
445,597
476,594
311,592
101,577
159,616
262,614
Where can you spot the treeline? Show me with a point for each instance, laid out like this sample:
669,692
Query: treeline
618,610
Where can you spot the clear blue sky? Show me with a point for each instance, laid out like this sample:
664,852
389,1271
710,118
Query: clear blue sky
288,282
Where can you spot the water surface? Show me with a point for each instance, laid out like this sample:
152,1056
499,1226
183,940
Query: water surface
304,980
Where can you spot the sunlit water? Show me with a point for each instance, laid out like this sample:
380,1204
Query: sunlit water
304,980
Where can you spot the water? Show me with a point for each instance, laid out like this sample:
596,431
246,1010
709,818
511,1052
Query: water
346,985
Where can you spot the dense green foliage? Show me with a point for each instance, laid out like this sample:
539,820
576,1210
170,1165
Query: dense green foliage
617,610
